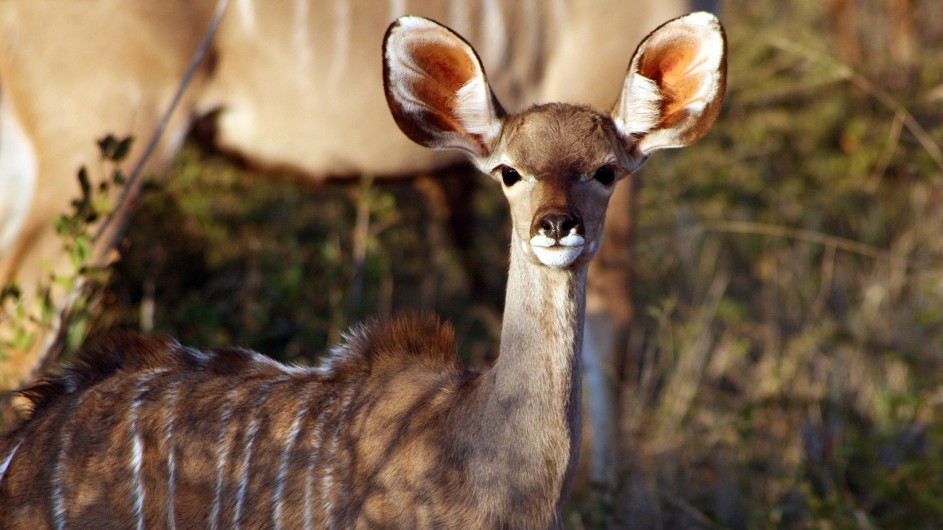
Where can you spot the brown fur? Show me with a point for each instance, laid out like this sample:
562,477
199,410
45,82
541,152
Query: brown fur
387,385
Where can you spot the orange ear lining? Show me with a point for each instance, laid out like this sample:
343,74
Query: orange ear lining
446,71
669,65
675,85
436,87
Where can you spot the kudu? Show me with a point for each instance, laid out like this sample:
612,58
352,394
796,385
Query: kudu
391,431
287,84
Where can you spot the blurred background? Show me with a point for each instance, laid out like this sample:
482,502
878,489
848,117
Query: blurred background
784,366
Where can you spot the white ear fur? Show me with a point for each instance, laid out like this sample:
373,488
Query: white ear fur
436,88
675,84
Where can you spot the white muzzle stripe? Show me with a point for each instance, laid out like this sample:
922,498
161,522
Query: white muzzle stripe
557,253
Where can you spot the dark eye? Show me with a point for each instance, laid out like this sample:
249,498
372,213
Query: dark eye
605,175
510,176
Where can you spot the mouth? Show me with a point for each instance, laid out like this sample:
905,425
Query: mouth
558,253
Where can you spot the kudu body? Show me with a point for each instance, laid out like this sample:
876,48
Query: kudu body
392,431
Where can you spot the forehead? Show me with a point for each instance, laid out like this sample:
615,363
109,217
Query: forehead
558,137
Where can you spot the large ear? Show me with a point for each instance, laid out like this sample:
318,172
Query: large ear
675,84
436,88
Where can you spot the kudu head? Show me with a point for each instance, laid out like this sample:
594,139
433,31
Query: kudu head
557,162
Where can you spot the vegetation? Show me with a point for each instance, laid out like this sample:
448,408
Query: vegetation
786,368
217,256
65,297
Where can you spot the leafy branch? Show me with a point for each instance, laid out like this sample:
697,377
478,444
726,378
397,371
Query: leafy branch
77,231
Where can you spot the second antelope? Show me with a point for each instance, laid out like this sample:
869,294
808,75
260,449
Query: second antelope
392,431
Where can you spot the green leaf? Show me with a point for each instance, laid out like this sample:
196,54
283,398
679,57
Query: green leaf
11,291
107,146
121,150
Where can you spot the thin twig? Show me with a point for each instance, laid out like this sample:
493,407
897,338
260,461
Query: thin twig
893,139
845,71
828,274
689,509
56,336
135,174
749,227
361,237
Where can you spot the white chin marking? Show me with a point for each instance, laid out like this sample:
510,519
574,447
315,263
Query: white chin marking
557,256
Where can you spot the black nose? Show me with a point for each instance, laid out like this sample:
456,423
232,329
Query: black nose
556,224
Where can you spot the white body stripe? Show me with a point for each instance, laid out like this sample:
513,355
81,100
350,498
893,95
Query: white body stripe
137,449
136,457
221,453
300,38
312,463
7,460
244,471
282,476
341,41
458,15
247,453
171,446
495,41
58,502
58,506
397,9
328,479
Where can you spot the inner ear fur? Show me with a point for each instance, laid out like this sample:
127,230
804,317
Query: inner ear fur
437,89
675,84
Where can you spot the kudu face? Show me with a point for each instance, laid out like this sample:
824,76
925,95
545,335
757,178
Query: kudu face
558,162
558,188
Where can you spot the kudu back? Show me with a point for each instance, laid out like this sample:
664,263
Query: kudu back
392,431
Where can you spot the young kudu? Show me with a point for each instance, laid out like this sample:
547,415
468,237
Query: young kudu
286,84
392,431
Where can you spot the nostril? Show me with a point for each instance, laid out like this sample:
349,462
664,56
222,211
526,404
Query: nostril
567,225
557,225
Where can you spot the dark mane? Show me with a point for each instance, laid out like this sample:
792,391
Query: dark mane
402,341
123,352
378,345
118,351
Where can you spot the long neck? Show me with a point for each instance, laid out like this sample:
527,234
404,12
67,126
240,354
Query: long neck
531,397
541,338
